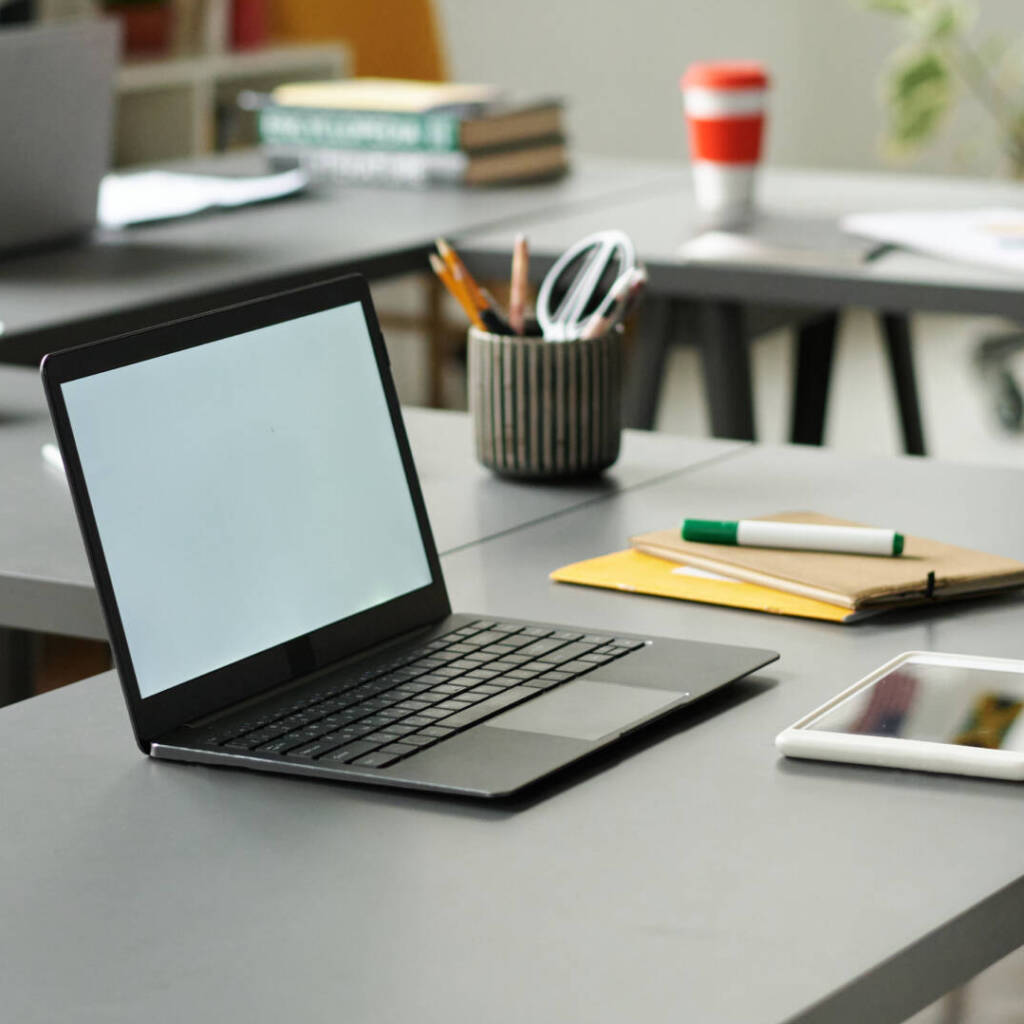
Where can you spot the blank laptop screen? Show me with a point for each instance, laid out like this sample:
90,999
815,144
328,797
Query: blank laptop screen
246,491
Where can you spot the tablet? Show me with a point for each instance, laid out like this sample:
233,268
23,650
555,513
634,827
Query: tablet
932,712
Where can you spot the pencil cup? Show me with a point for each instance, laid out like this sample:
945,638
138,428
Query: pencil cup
545,409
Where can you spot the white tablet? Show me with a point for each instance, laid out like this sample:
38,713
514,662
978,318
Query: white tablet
933,712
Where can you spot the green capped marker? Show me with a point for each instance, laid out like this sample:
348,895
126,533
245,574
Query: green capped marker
766,533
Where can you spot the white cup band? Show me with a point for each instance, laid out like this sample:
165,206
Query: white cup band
723,102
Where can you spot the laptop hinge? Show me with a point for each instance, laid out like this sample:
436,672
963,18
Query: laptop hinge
299,660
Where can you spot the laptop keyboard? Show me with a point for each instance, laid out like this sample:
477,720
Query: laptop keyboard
398,708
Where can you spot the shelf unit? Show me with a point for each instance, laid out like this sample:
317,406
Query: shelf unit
183,106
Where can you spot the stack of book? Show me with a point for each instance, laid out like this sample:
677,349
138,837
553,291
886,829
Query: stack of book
390,131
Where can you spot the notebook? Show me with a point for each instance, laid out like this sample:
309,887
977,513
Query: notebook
272,592
56,117
634,572
927,569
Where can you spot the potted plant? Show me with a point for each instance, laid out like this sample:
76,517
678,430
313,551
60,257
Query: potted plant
940,58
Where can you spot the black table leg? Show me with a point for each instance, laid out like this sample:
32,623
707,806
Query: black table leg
815,349
647,363
726,360
18,655
896,330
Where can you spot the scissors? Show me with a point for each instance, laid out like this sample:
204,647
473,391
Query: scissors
581,278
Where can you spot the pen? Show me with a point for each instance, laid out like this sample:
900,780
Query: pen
456,290
517,286
619,300
493,315
764,533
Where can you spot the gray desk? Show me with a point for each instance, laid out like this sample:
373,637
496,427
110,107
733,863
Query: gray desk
45,583
126,280
810,266
699,878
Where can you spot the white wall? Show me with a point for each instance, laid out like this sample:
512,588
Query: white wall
618,63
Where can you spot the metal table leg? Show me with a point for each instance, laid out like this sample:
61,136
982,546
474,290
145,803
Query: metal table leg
896,331
646,367
815,349
19,651
726,360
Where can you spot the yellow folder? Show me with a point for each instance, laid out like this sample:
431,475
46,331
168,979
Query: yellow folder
637,573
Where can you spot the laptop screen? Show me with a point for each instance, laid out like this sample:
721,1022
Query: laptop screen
246,491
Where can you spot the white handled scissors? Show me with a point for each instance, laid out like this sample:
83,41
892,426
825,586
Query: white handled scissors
581,277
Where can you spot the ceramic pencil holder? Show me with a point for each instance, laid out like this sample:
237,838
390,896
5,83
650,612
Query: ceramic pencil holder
545,409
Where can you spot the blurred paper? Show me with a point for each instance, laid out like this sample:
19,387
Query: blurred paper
161,195
990,238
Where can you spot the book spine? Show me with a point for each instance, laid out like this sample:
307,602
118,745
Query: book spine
359,129
374,167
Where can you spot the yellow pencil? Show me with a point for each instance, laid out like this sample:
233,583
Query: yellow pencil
456,289
454,263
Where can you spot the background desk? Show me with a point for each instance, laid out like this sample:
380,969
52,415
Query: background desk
45,583
811,271
698,878
129,279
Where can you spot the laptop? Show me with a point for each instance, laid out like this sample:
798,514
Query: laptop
272,592
56,117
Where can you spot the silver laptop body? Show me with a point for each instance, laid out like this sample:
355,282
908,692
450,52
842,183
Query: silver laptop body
267,569
56,116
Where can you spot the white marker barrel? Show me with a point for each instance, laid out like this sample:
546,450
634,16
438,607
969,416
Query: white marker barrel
856,540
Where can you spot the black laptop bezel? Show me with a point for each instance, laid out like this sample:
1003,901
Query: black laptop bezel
155,716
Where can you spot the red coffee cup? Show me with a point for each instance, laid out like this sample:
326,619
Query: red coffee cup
724,104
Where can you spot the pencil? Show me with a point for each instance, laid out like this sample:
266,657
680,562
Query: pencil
517,288
474,310
455,290
454,263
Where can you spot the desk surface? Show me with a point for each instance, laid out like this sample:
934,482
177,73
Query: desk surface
809,262
698,878
45,583
828,890
128,279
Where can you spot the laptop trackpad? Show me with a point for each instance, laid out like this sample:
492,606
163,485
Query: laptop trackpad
585,710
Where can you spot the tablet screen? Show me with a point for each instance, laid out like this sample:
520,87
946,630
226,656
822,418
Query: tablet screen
963,704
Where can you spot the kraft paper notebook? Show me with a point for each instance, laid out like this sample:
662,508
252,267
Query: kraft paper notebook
831,587
927,569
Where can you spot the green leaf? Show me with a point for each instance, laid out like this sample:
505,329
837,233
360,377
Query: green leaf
942,22
919,95
918,70
915,119
897,7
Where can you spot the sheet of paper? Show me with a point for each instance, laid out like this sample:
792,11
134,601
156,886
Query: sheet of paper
991,238
701,574
159,195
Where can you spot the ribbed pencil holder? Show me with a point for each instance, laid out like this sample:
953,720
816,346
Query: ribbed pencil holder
545,409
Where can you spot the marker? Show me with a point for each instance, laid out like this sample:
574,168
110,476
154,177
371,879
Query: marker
617,304
493,315
764,533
